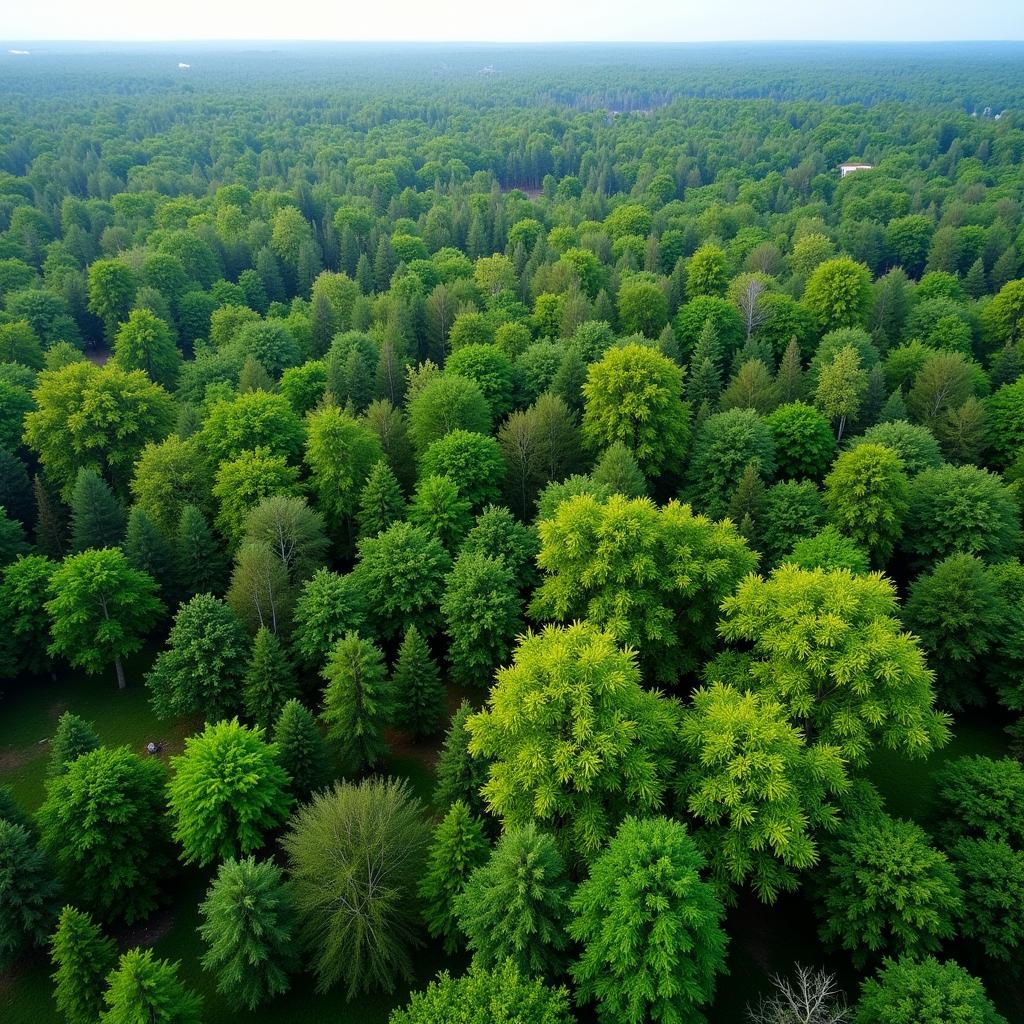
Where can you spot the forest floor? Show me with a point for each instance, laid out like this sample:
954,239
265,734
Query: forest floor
765,940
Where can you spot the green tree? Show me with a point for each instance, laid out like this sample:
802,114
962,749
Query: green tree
355,854
28,893
112,287
381,501
83,957
1003,318
257,420
23,595
828,645
73,737
650,927
144,990
660,558
201,669
329,606
269,679
482,614
97,517
248,927
838,294
446,402
472,461
200,563
1005,433
978,797
706,271
293,531
842,385
804,445
758,788
144,342
226,792
100,608
643,308
618,471
573,739
418,694
633,394
460,775
440,511
170,476
914,444
301,750
103,824
358,701
244,482
457,848
866,496
925,991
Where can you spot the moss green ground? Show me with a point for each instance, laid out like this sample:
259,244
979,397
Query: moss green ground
764,940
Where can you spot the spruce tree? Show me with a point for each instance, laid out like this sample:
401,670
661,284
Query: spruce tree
15,488
746,506
97,517
459,847
83,957
301,750
269,680
974,280
74,737
254,377
201,562
248,928
144,990
380,501
51,531
789,378
460,776
148,550
357,701
417,690
619,472
28,893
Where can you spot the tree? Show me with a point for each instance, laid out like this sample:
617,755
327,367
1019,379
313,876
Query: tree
804,445
653,588
144,342
170,476
301,750
381,501
912,991
73,737
885,889
979,797
23,594
460,775
103,824
51,532
573,740
1003,318
28,893
358,701
751,387
842,385
401,575
269,679
650,927
706,271
866,496
633,394
200,563
97,517
144,990
83,957
340,454
490,369
19,344
828,549
293,531
355,854
725,445
758,788
1005,431
13,543
458,847
472,461
255,420
242,483
643,308
446,402
99,418
417,692
112,287
439,510
501,996
838,294
329,606
828,645
482,614
201,669
618,471
914,444
248,927
100,608
810,997
960,509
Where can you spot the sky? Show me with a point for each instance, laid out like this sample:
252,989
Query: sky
516,21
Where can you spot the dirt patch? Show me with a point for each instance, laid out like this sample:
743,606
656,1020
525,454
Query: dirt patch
14,758
148,932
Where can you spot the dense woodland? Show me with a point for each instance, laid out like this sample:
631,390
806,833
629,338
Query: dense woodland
495,535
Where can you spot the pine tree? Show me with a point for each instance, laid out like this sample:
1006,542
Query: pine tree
789,378
28,893
459,847
83,957
248,928
254,377
148,550
74,737
357,701
380,501
974,280
144,990
269,680
417,690
618,470
874,398
51,532
301,750
747,504
460,775
97,517
202,566
15,488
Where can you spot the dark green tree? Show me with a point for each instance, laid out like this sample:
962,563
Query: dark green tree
83,957
417,692
301,750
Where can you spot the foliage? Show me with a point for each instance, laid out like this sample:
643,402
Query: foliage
804,445
72,738
328,607
417,693
83,957
144,990
269,679
28,893
301,750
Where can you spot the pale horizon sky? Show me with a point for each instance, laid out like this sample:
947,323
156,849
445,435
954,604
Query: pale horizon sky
523,21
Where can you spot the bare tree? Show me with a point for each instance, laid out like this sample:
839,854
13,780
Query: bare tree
811,996
750,308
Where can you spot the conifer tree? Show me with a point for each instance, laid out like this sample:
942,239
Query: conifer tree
789,378
438,507
144,990
11,811
149,551
619,472
746,506
248,928
201,562
380,501
74,737
97,517
416,686
357,701
460,775
301,750
51,531
459,846
28,893
269,680
83,957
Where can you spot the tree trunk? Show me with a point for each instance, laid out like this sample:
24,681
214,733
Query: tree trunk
119,668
